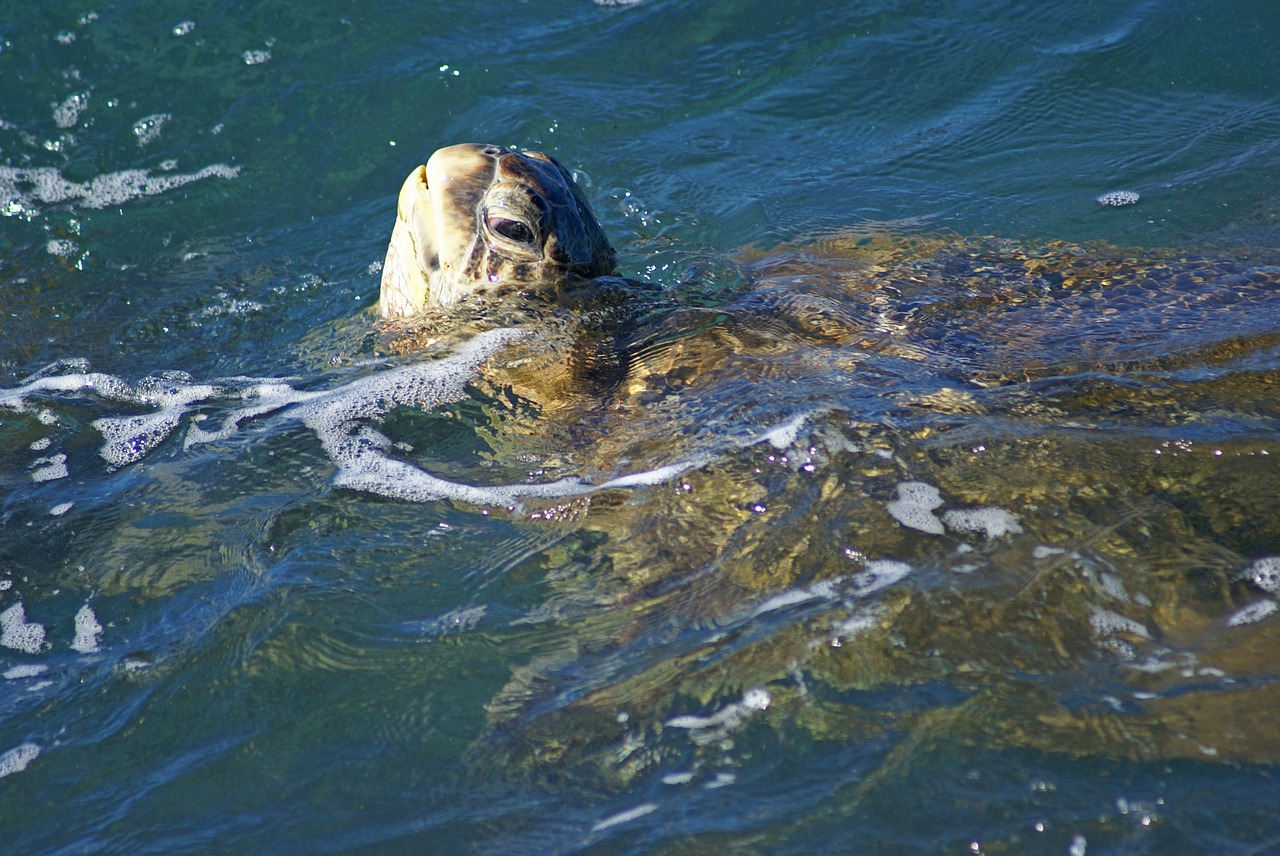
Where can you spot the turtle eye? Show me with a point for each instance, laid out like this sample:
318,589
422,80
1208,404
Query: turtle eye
512,230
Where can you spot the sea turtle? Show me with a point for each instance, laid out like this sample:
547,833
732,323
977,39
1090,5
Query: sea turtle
477,218
1056,384
477,222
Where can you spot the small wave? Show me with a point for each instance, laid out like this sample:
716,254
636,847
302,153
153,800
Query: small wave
26,188
340,417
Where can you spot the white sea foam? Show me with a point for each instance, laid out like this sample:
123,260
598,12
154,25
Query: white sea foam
340,418
268,396
1117,198
1265,573
625,816
457,620
914,507
1111,584
860,620
880,574
1107,623
657,475
1252,613
88,631
148,128
67,114
104,385
61,247
785,434
27,187
49,469
783,600
18,758
130,438
24,670
229,307
990,521
709,728
61,508
18,633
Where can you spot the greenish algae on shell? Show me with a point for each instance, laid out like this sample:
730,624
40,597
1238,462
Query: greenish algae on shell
758,568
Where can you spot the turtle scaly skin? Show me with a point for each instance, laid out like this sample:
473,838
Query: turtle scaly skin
477,218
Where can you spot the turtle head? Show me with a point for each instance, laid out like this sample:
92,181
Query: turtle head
481,217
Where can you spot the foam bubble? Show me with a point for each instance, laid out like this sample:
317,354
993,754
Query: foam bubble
1265,573
880,574
1112,585
267,396
914,506
103,384
49,469
1251,613
67,114
17,633
785,435
1117,198
131,438
18,758
61,508
61,247
256,57
625,816
728,718
1108,623
783,600
336,415
859,621
87,631
657,475
148,128
339,417
231,307
128,438
990,521
25,187
24,670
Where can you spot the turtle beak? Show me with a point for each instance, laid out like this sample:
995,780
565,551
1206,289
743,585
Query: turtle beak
405,273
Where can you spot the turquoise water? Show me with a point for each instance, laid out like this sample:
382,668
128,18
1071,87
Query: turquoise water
220,635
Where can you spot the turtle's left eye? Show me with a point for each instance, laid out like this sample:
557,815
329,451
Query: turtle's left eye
512,230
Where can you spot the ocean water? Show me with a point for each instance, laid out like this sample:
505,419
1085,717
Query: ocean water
939,515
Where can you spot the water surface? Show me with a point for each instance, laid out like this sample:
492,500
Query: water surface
914,556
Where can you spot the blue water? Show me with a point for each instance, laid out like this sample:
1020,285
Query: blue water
214,639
